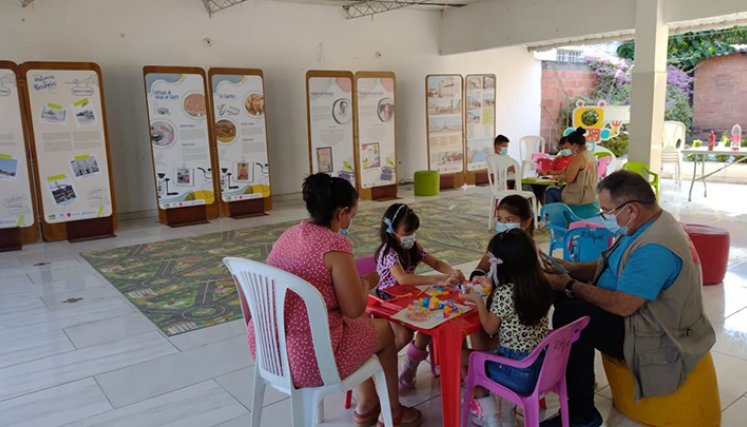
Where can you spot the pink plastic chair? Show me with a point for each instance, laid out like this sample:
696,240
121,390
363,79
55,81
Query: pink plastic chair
602,165
551,377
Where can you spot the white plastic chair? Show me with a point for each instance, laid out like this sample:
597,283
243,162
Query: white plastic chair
529,145
673,133
264,288
498,175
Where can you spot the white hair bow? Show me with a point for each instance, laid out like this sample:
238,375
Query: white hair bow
494,263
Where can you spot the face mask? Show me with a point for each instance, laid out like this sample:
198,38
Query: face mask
591,146
344,231
504,151
566,152
500,227
407,242
625,229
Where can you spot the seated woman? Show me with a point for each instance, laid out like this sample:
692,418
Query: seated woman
316,251
581,177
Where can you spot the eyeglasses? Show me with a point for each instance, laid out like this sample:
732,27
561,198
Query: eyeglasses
602,213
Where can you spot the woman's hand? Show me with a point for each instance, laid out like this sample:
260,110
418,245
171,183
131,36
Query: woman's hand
455,279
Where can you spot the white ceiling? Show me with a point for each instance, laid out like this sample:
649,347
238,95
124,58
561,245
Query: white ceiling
436,4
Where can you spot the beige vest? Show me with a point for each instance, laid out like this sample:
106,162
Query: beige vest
666,338
583,190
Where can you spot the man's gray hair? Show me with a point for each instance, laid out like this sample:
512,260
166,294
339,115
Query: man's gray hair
625,186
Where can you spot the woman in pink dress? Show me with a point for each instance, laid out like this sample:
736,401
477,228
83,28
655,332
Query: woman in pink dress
317,251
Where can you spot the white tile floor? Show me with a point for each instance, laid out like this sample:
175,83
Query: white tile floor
100,362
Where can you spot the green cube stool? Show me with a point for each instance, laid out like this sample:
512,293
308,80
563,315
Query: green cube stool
427,183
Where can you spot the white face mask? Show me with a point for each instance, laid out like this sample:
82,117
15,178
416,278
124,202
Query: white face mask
565,153
503,151
407,242
500,227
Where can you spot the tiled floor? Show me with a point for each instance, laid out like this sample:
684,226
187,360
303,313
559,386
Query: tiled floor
100,362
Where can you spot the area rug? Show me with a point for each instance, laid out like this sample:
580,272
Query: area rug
182,285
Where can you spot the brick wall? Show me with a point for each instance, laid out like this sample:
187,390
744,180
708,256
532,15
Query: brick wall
720,98
561,83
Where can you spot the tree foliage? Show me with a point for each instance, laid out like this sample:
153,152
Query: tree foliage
687,50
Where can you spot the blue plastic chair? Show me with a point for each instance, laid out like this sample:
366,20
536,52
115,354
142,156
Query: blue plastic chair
586,244
557,217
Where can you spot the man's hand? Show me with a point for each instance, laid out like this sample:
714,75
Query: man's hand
557,281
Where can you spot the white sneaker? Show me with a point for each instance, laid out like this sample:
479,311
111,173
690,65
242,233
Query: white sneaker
484,412
508,413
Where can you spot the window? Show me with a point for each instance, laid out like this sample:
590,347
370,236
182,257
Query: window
568,55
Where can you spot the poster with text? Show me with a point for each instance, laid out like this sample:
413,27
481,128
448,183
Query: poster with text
16,206
480,118
376,131
331,126
70,144
239,104
177,109
445,123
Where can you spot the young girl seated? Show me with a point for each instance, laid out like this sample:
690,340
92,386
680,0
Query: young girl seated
514,320
564,158
396,260
513,212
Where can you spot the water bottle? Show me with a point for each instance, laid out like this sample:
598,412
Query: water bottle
736,137
711,141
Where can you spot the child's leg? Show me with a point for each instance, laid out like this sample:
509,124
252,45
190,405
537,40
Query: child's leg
416,353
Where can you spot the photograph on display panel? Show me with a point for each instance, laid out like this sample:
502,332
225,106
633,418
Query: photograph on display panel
177,110
444,101
480,119
69,137
376,111
240,133
330,122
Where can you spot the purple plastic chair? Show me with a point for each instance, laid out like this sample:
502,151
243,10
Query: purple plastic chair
365,265
551,376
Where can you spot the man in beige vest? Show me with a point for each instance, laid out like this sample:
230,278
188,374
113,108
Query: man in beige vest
643,297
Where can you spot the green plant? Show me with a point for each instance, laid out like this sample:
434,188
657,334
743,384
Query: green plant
618,145
697,143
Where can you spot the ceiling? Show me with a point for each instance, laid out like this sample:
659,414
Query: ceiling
354,8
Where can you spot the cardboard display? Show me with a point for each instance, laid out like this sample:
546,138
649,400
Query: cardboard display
480,97
445,127
330,118
239,127
376,134
64,102
182,145
17,204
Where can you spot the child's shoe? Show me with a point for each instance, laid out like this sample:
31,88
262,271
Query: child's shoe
508,413
484,412
410,366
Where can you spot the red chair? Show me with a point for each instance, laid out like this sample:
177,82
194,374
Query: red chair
712,247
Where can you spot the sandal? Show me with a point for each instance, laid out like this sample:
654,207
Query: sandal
408,417
369,418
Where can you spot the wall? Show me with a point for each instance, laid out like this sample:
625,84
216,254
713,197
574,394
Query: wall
492,23
720,98
284,39
562,82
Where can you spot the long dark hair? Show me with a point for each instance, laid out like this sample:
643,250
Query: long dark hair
518,206
398,214
520,266
577,137
324,195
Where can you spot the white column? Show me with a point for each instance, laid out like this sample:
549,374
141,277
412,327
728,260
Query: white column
649,83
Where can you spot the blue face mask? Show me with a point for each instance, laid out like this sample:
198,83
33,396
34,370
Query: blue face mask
500,227
565,153
504,151
344,231
591,146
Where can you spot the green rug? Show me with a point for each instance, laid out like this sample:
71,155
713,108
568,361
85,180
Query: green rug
182,285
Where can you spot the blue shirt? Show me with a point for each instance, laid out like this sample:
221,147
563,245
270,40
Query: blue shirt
650,269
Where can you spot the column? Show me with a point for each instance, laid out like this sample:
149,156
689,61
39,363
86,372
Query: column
648,97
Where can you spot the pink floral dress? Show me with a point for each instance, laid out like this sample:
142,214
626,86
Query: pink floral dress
300,250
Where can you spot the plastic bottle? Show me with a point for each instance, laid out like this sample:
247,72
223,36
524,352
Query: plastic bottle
736,137
711,141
